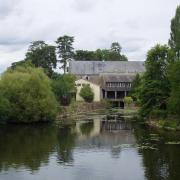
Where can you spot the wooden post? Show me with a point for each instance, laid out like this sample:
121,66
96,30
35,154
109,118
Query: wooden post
125,93
115,94
105,94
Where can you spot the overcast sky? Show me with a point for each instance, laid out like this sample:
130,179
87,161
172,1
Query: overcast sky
136,24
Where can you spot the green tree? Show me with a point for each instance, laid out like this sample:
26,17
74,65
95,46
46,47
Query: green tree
23,63
174,78
113,54
103,54
42,55
174,40
128,100
65,50
84,55
87,93
135,89
4,108
64,88
28,96
115,47
155,85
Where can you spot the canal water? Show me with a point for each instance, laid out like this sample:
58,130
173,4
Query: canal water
98,147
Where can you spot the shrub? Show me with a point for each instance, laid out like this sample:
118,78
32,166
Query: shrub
87,93
128,100
27,96
64,88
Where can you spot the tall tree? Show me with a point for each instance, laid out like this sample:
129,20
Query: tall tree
65,50
174,40
174,78
42,55
155,85
115,47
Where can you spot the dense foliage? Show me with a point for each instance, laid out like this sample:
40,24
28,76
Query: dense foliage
26,96
42,55
174,78
113,54
23,63
87,93
64,88
135,89
128,100
155,85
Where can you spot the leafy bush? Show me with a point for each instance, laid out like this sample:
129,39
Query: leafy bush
87,93
64,88
128,100
26,96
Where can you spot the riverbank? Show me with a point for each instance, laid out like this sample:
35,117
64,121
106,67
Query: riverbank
78,109
126,111
170,125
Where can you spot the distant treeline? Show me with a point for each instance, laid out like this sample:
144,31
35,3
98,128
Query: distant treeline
112,54
46,56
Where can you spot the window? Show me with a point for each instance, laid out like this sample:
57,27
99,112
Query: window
128,85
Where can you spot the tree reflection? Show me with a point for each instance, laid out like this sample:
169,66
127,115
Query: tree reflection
87,127
163,163
27,146
66,143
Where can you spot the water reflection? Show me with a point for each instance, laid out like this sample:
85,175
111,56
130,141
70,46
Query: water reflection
65,143
164,162
26,147
90,146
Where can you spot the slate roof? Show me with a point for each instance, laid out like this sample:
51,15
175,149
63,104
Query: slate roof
93,79
100,67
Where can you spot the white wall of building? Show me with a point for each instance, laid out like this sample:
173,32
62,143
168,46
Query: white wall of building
96,89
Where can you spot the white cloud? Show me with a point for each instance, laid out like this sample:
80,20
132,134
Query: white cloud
136,24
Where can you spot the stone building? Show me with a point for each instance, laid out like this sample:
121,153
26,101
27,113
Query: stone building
114,78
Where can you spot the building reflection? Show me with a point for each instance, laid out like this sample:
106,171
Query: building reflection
105,132
32,146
